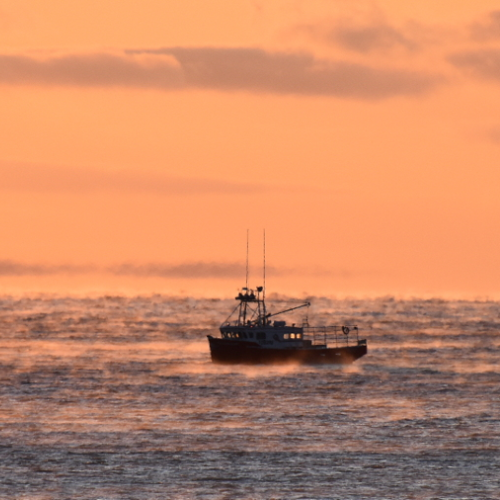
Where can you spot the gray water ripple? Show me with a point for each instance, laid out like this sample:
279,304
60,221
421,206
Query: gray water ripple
116,398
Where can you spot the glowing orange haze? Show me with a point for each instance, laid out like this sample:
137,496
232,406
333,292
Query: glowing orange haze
140,140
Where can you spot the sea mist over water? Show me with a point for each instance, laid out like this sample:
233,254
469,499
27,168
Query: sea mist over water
116,398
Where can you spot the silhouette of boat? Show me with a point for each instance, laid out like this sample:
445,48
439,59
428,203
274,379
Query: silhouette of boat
250,336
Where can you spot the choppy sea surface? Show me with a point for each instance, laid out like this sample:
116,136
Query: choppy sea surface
116,398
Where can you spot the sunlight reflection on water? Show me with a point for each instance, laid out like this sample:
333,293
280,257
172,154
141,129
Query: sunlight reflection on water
116,397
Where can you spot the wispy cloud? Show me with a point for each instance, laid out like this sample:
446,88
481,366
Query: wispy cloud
12,268
473,48
186,270
191,270
484,64
487,28
293,73
101,69
50,179
494,134
363,37
222,69
374,37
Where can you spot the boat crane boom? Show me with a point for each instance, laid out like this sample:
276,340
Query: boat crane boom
306,304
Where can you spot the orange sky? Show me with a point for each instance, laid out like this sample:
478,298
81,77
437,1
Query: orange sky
140,140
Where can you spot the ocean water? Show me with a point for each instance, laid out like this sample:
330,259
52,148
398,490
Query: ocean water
116,398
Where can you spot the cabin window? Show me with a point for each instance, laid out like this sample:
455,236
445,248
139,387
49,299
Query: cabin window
299,335
285,336
243,335
224,335
250,335
261,336
292,335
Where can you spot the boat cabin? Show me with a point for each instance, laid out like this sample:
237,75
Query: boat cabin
276,332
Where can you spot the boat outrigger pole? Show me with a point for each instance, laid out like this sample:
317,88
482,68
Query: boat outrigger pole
306,304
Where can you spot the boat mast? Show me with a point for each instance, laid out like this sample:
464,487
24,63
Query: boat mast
264,279
244,304
247,295
246,280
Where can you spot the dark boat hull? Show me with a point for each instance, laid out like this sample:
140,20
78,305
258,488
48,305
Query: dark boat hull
230,352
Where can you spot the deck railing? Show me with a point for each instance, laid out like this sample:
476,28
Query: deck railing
332,335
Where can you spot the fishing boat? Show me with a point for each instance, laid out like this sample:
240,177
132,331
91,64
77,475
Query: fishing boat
250,335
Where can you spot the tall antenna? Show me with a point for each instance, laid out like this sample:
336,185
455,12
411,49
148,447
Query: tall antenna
246,281
264,288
